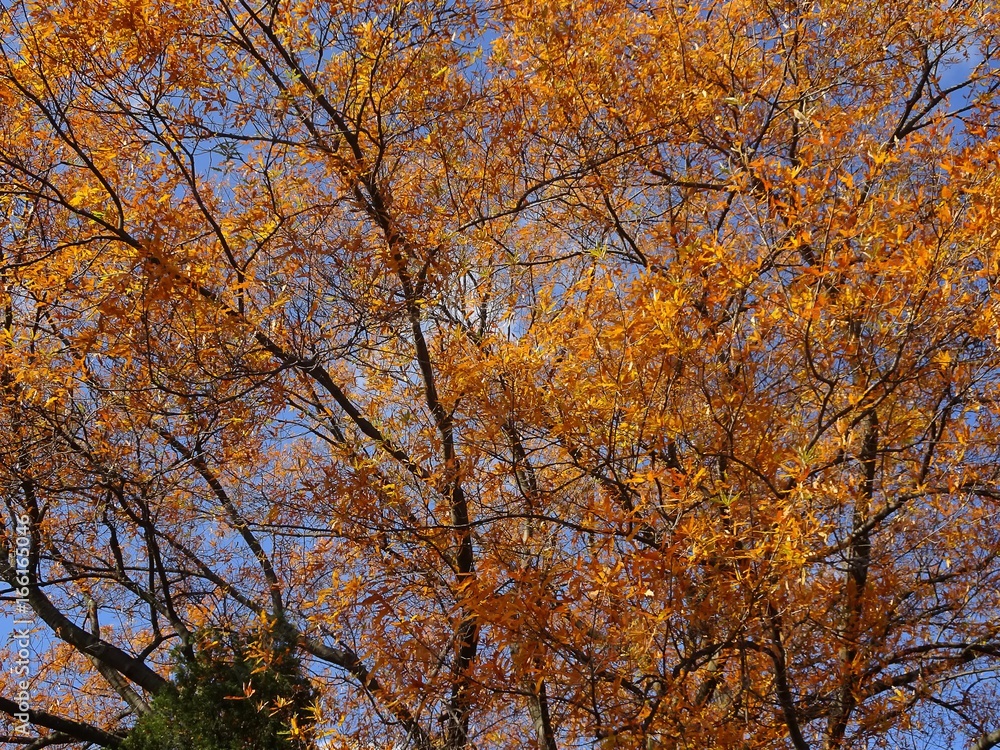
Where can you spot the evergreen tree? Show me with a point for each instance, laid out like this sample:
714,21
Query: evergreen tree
235,694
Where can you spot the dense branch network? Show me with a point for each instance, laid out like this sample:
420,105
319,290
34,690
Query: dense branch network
543,375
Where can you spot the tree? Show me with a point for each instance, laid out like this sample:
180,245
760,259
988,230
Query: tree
233,695
600,374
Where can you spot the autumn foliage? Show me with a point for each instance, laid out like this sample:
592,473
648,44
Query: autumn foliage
553,374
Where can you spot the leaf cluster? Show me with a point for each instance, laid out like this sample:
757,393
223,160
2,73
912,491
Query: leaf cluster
233,695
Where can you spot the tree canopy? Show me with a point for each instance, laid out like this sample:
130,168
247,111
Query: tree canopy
230,694
550,374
